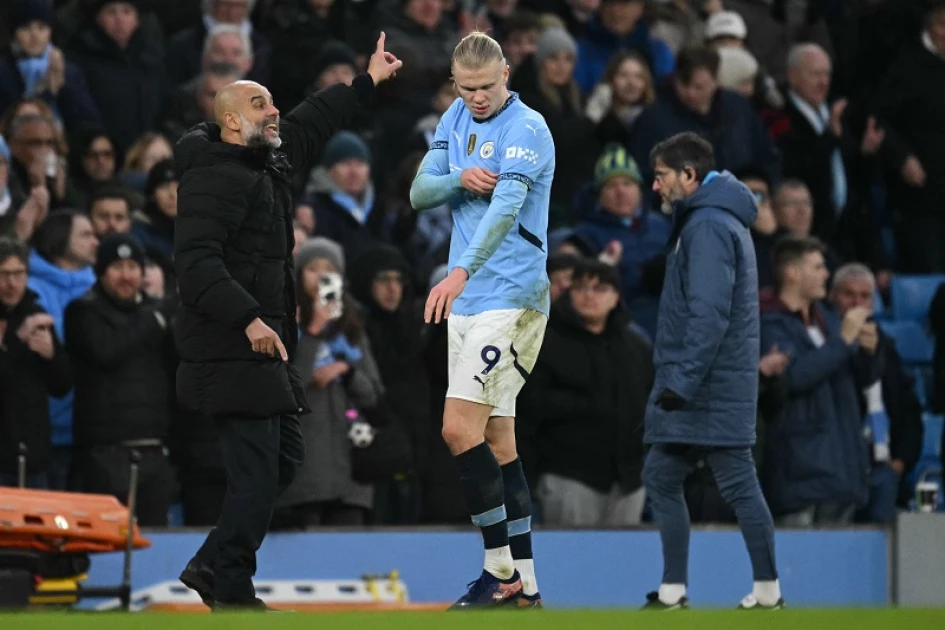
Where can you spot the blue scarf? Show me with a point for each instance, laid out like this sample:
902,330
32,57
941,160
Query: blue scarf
357,209
33,69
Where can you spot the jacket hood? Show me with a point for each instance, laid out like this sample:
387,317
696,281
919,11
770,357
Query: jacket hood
369,264
722,191
63,279
202,146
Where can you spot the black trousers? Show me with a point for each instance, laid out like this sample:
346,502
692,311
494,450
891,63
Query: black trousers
261,459
107,470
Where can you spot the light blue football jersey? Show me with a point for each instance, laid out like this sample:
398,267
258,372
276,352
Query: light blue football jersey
515,143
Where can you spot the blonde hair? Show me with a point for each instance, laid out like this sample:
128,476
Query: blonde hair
476,51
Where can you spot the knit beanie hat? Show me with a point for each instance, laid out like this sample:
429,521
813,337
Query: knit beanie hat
725,24
334,54
613,162
320,247
115,247
161,173
25,11
345,145
554,41
735,66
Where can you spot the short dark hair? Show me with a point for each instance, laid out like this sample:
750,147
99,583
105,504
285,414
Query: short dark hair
14,248
520,21
683,150
751,172
788,250
691,60
557,262
109,192
51,239
592,268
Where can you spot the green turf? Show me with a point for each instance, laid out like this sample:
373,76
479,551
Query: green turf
845,619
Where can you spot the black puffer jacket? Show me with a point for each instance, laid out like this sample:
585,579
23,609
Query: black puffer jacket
27,380
232,243
122,358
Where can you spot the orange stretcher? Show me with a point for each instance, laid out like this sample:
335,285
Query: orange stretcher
46,537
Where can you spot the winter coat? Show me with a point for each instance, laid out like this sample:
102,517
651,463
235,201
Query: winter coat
816,451
26,382
127,85
122,357
598,45
739,138
56,288
581,411
233,239
325,474
706,346
73,102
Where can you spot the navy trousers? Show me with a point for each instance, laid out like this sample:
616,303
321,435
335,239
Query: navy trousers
665,471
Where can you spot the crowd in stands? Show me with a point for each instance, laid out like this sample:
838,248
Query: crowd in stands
829,111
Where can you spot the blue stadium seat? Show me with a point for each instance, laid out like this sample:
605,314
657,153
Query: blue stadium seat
914,344
918,374
911,295
932,442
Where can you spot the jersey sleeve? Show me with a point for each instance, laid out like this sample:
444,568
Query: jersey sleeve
434,184
526,150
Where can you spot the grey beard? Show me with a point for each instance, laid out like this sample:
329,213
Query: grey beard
259,140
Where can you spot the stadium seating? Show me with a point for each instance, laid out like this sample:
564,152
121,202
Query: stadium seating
915,345
932,443
911,295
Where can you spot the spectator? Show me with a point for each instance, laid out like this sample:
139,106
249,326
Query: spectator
299,29
618,100
520,32
584,404
36,68
380,280
561,273
909,106
123,65
420,27
188,48
621,215
192,103
816,463
337,63
765,231
339,374
695,103
545,83
33,366
19,215
794,212
725,31
36,159
619,25
892,410
60,271
738,72
154,226
679,23
348,212
574,15
227,44
110,212
92,162
147,150
120,342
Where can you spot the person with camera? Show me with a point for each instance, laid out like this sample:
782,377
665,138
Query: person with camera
121,348
341,381
33,366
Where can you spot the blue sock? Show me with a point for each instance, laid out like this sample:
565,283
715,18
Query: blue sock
481,479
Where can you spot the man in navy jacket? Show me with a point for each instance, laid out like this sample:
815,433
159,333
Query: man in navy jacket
706,353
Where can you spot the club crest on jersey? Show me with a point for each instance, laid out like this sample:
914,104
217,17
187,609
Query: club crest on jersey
472,144
487,149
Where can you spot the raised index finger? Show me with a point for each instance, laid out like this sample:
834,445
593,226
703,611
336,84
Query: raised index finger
380,42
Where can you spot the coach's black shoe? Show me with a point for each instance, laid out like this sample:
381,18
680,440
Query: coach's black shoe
653,602
198,576
750,603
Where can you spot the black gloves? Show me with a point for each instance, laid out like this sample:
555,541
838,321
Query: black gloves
668,400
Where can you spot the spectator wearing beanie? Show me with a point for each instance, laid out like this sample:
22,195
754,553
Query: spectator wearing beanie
738,71
119,344
726,30
621,214
35,68
348,212
124,66
154,226
546,84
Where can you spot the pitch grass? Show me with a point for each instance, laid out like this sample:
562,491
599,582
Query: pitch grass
840,619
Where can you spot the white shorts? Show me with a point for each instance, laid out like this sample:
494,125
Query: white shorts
491,354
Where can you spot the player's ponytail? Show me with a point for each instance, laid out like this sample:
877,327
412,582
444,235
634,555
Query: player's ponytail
476,51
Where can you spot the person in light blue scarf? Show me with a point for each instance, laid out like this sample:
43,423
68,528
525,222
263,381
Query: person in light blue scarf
35,68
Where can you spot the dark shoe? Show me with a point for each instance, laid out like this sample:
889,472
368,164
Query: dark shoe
198,576
489,591
251,605
750,603
653,602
